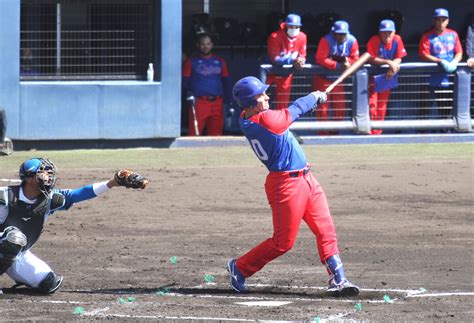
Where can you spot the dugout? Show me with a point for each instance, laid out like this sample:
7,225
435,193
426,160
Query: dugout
76,69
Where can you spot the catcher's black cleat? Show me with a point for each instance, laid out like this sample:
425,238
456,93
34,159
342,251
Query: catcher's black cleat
344,289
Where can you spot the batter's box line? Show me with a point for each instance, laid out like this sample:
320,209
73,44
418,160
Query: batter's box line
421,292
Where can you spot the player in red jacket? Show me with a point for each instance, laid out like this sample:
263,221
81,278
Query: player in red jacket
441,45
336,51
286,46
385,48
206,84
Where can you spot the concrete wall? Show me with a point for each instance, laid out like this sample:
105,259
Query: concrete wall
92,110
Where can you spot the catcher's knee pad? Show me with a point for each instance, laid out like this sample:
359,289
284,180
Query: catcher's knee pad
50,283
12,241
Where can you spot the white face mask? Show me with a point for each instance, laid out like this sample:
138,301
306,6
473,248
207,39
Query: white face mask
293,32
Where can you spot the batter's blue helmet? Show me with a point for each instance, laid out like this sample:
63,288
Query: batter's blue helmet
246,89
293,20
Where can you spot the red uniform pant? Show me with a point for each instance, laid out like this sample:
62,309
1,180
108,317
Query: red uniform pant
292,199
336,98
378,106
209,115
282,89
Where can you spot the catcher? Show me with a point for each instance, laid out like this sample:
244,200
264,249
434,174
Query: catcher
24,209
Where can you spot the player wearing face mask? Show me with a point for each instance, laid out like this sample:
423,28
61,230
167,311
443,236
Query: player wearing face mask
286,46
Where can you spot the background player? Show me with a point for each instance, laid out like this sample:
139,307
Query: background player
286,46
385,48
441,45
292,191
206,84
24,210
336,51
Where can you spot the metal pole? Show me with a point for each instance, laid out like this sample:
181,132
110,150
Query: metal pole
58,39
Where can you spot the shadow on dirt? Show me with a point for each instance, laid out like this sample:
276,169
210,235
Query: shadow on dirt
265,292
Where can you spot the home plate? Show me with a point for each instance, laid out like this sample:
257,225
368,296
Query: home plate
264,303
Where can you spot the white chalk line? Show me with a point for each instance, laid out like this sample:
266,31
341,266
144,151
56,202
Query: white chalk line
409,293
443,294
100,313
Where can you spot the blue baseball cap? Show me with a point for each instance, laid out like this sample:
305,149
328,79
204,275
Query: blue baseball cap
387,25
293,20
440,12
340,27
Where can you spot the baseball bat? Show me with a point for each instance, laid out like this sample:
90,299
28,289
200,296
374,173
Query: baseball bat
351,69
193,109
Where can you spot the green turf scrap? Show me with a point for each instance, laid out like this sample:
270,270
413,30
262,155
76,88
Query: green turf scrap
79,310
208,278
358,307
162,291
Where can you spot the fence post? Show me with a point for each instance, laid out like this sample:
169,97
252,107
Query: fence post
461,100
360,102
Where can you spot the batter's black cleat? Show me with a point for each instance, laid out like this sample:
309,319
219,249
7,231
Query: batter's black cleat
237,280
344,289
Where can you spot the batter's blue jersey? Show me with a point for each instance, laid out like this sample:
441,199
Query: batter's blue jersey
270,139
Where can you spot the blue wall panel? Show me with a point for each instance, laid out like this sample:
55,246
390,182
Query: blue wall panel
129,112
53,110
92,110
10,63
89,110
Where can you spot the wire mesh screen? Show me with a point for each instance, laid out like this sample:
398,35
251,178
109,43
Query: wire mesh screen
339,104
415,99
86,39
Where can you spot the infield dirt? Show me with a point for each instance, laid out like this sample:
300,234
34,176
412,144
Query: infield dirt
403,217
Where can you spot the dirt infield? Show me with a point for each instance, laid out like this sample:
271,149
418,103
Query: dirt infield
403,216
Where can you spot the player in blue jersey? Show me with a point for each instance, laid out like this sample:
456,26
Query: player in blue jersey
440,44
292,191
24,209
206,82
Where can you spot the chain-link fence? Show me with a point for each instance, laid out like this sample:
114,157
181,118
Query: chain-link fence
86,39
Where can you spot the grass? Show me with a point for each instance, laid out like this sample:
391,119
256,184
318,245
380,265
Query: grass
199,157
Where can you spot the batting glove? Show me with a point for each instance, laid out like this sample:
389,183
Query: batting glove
453,65
446,66
321,97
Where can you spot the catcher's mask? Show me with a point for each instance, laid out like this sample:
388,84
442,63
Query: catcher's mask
43,170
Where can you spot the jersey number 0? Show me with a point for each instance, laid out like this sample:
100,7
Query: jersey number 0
258,149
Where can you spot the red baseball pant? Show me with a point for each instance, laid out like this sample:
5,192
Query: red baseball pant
378,106
292,199
209,115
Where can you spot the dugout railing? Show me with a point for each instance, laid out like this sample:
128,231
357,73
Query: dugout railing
410,107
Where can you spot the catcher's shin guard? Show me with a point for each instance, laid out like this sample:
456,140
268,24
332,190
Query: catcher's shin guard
12,240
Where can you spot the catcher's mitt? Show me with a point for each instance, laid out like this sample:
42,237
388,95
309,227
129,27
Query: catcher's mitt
130,179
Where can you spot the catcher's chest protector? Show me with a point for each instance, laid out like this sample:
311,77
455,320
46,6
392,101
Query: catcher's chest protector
28,218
